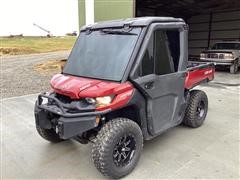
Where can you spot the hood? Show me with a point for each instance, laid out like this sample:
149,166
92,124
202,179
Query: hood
78,87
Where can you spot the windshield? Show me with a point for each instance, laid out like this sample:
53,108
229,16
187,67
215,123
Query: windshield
102,54
226,46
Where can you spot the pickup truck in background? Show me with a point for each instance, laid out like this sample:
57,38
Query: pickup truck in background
223,54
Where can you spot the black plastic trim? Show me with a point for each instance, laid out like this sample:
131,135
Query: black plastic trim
70,127
59,110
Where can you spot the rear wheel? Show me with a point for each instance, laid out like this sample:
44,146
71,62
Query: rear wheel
48,134
197,109
117,147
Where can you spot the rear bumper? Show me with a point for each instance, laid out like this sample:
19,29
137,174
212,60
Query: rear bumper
66,125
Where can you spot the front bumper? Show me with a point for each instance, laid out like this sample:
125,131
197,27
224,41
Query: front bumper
65,124
217,61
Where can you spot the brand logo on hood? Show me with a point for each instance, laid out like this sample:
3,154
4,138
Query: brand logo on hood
84,87
65,86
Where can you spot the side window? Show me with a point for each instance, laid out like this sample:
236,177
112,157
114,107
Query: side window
162,54
174,46
147,65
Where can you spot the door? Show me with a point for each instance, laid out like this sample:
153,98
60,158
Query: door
161,82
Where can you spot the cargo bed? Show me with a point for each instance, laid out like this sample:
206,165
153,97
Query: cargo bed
198,73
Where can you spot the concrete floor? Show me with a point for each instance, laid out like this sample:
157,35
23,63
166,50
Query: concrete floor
211,151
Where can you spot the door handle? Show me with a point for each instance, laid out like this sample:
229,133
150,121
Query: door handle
149,85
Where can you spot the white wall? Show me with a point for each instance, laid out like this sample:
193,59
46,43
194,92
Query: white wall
18,16
89,9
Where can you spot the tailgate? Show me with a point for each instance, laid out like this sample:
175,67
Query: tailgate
199,74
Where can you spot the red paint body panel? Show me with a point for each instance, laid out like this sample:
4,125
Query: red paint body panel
119,100
71,85
78,87
197,76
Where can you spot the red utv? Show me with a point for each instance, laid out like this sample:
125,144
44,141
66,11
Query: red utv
124,82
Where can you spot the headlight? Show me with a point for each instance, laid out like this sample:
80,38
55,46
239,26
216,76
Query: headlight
90,100
228,56
103,101
100,101
202,55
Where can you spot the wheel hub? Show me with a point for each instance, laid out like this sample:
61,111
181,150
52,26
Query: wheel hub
124,150
200,109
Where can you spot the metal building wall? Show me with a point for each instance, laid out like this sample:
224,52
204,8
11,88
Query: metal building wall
81,13
107,10
113,9
205,30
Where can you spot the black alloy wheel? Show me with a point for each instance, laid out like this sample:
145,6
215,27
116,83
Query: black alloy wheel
197,108
124,150
200,109
117,147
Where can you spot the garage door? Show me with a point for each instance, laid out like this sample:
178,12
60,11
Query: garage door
206,29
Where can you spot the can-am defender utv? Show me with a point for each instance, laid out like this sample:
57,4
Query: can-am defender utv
125,81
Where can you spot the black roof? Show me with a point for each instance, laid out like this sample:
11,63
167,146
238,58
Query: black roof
141,21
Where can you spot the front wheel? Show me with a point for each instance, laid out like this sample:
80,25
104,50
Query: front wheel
117,147
197,108
234,68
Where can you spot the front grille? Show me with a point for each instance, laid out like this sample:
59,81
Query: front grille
63,98
73,106
215,55
221,56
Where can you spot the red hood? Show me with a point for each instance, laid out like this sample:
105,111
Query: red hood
77,87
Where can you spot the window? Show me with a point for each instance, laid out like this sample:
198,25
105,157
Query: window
162,53
148,59
226,46
102,55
